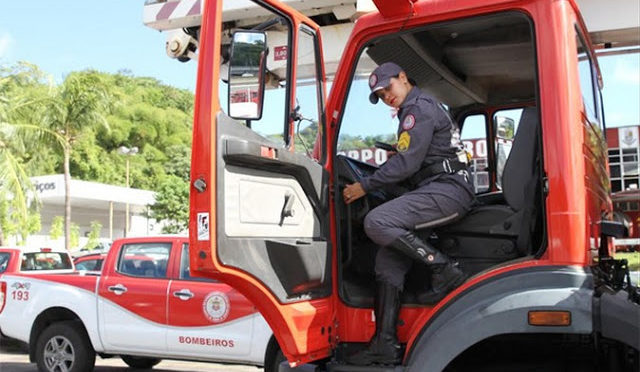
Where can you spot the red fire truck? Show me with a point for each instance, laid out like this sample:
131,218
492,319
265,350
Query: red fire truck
267,215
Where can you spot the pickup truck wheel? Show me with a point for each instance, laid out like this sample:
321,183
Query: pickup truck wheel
274,357
140,362
64,347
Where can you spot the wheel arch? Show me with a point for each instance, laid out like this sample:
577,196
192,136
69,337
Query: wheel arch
500,305
50,316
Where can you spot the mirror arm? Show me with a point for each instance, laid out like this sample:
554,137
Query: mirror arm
268,24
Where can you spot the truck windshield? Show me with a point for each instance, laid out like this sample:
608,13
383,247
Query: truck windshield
45,261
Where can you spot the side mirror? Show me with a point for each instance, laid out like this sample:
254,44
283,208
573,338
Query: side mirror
247,68
614,229
505,127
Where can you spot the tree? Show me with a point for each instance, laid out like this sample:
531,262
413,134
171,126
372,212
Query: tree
172,204
57,227
74,235
81,102
15,186
94,235
140,112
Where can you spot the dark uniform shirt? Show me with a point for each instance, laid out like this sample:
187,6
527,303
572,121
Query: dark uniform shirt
426,134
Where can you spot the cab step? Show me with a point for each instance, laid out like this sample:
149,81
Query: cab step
339,367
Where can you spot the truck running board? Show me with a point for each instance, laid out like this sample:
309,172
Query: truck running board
338,367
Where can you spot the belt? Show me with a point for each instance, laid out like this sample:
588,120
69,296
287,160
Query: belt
447,166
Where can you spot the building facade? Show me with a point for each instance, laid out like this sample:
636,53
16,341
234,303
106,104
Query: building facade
92,201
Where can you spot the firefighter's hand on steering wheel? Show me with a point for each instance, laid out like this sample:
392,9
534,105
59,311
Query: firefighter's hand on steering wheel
353,192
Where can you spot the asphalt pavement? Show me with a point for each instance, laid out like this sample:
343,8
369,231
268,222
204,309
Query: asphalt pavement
14,358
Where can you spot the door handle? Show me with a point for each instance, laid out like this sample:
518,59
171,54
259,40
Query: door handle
183,294
117,289
287,208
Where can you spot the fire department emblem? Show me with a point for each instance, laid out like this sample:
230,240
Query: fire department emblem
216,307
373,79
629,139
409,122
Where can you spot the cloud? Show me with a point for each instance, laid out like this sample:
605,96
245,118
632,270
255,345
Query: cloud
626,73
5,43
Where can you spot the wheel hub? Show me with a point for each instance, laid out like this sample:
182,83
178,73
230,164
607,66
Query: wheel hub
59,354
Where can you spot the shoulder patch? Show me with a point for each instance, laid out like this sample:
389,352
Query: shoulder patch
408,122
403,142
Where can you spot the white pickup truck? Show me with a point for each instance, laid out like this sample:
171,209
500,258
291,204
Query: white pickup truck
144,307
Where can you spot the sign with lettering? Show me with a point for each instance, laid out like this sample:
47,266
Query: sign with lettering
375,156
41,187
280,53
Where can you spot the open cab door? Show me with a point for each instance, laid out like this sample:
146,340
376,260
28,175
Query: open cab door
259,215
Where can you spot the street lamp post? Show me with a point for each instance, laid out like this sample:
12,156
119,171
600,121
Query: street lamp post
124,150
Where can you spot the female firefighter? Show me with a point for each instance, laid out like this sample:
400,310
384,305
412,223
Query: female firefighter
430,159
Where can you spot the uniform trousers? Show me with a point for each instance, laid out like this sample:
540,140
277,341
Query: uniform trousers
392,219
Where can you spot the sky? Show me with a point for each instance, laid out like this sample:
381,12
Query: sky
68,35
62,36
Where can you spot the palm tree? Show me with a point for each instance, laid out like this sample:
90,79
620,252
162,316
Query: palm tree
14,180
79,102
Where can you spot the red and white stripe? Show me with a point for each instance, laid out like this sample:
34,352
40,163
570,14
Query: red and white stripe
171,15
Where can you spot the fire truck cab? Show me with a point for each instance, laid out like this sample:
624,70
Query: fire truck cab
271,154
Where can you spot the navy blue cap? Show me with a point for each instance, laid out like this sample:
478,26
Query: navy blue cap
380,78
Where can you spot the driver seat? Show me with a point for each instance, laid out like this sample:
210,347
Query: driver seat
494,233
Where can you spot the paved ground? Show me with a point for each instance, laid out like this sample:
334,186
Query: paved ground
14,358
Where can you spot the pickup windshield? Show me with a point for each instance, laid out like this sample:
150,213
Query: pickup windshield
45,261
4,261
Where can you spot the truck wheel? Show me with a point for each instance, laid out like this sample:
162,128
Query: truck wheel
64,346
273,357
140,362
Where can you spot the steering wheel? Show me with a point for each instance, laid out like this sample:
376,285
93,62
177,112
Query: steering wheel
349,171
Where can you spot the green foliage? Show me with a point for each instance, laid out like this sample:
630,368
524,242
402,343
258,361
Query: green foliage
57,227
75,236
91,114
94,235
633,259
7,225
348,142
172,204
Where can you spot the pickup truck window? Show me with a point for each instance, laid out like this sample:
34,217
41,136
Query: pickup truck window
90,265
184,267
45,261
4,261
147,260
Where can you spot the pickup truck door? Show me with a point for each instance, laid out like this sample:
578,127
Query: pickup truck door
132,302
260,210
207,319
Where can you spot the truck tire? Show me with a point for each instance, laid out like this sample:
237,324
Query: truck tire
140,362
273,356
64,346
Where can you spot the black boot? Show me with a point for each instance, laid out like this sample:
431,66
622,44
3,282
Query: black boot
444,279
384,347
416,248
445,274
